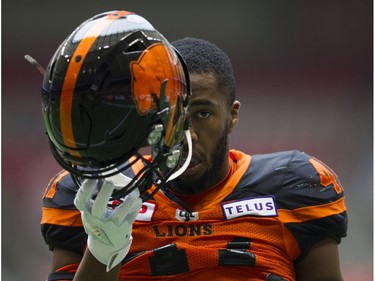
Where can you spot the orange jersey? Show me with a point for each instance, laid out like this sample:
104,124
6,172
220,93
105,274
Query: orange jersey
264,218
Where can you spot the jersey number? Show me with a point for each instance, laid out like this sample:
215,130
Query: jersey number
327,176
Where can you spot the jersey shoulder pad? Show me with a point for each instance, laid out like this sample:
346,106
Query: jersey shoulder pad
61,191
306,182
295,178
61,224
308,194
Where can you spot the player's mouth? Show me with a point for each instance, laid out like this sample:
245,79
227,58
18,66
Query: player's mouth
193,167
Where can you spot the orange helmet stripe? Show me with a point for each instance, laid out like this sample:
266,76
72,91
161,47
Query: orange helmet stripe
72,76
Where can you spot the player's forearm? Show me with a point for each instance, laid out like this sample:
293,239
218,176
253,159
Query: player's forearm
90,269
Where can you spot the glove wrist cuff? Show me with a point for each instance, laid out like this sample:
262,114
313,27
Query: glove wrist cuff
118,256
111,259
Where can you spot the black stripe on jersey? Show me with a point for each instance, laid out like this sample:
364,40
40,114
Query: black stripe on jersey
63,237
239,243
56,276
168,260
236,258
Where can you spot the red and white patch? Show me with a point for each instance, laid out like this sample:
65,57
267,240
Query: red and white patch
147,212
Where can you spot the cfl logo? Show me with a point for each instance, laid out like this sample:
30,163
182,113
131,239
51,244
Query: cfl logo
186,216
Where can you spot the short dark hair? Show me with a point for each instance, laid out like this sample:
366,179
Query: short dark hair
202,56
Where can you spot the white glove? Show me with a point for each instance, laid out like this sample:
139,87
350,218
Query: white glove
108,228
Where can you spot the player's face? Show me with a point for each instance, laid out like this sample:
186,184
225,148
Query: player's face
211,123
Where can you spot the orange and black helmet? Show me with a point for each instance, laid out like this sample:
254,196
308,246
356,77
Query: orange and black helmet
113,86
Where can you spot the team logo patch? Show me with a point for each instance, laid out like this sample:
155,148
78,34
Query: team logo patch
147,212
257,206
148,74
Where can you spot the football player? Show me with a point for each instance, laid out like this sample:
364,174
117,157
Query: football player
192,209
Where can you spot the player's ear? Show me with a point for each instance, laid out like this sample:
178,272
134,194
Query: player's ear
234,115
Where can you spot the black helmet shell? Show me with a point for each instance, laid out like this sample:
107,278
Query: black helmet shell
107,85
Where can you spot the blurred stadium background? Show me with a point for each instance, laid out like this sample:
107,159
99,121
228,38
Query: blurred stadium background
304,75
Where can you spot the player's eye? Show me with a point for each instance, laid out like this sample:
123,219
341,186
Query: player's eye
203,114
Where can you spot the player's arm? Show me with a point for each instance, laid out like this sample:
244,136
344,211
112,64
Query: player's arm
62,228
62,258
67,265
64,231
321,263
90,269
317,218
64,265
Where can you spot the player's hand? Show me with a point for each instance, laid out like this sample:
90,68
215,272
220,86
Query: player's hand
108,228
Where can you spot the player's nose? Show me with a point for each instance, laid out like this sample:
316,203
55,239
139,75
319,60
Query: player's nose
193,133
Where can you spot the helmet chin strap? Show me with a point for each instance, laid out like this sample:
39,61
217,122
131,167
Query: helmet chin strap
188,158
